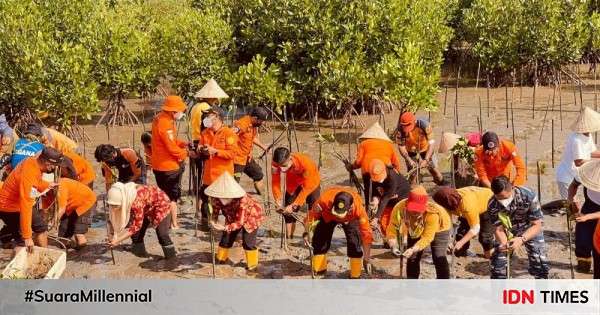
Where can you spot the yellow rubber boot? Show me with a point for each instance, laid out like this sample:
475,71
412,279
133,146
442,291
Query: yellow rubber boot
355,267
222,254
251,259
319,263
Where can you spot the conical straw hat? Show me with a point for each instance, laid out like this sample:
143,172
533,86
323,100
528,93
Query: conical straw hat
375,132
225,187
589,175
448,141
211,90
588,121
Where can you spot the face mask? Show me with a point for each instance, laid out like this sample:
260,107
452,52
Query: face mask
506,202
179,115
225,201
207,122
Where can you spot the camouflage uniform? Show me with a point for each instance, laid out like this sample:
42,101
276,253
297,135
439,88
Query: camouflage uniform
524,209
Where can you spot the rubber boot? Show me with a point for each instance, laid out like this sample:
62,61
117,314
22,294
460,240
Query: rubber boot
584,265
222,255
258,186
355,268
139,249
251,259
319,263
169,251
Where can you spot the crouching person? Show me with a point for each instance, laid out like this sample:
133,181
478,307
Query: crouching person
242,214
340,205
426,224
517,215
134,208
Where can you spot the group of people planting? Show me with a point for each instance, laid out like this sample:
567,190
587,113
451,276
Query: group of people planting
47,183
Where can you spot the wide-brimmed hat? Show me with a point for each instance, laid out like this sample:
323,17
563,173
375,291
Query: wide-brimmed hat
588,121
417,200
211,90
225,187
375,132
173,103
589,175
448,141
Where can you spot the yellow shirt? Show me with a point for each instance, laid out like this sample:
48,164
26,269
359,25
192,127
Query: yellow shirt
436,220
196,119
474,202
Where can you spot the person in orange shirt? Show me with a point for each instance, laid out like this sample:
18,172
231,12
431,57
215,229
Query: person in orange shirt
58,141
302,184
415,143
218,146
75,200
120,164
18,195
78,168
496,157
247,131
168,152
340,205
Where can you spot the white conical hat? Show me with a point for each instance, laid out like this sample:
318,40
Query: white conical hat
225,187
448,141
211,90
588,121
375,132
589,175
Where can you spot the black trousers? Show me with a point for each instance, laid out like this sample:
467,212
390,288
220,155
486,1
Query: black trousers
170,182
321,241
12,225
584,231
438,251
162,232
486,233
73,224
310,201
248,239
251,169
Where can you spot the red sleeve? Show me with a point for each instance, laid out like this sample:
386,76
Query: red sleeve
137,215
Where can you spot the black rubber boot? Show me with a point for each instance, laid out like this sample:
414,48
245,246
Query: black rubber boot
169,251
139,249
583,266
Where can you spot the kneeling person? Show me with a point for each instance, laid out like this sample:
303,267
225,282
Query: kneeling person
340,205
242,214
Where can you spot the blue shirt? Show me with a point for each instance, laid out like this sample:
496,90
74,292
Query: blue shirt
24,149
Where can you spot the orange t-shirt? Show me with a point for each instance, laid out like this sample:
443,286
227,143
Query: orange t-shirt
246,134
60,142
371,149
225,141
303,173
323,206
83,168
489,167
417,140
75,196
168,151
19,191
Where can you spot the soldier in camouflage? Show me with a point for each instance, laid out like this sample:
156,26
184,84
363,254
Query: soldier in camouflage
524,227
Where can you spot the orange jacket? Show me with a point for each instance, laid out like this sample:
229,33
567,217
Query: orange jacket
303,173
167,151
225,141
246,134
59,141
370,149
83,168
488,167
17,193
322,210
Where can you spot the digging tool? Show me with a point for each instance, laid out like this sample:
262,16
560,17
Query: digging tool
112,254
212,238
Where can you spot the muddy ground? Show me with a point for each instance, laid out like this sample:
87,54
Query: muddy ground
194,260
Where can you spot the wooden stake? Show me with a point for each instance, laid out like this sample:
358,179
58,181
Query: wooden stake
544,120
560,100
506,107
526,155
535,82
512,99
539,181
552,126
478,96
488,93
456,97
595,101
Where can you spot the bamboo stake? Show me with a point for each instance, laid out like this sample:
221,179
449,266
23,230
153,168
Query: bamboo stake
478,96
595,101
456,97
539,181
446,96
580,95
512,99
544,120
552,126
488,93
526,155
535,82
506,106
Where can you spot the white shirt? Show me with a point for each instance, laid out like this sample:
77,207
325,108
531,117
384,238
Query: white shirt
578,147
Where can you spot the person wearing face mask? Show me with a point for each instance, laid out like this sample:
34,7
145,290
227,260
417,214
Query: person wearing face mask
470,204
425,223
218,146
120,165
242,214
24,185
302,184
497,157
133,209
521,206
340,206
247,131
168,152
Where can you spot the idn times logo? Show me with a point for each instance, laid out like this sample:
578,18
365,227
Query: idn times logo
513,296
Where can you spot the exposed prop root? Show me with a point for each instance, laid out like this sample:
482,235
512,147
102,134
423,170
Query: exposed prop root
117,114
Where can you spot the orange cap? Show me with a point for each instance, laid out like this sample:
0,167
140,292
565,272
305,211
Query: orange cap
377,170
417,200
173,103
408,121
